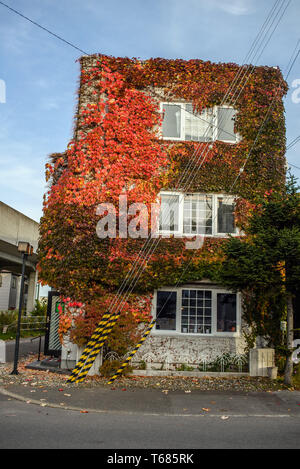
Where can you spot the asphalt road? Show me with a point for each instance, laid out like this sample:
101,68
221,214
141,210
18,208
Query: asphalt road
27,346
31,426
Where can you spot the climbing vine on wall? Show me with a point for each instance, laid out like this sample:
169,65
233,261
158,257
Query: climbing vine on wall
116,150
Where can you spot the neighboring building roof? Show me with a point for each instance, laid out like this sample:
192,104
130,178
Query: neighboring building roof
15,227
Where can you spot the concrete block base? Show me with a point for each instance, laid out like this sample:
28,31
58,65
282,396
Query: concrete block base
71,353
272,372
261,359
2,352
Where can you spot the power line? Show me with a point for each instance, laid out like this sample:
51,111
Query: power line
294,166
43,28
290,145
154,245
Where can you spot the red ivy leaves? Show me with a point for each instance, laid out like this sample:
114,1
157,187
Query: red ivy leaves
116,150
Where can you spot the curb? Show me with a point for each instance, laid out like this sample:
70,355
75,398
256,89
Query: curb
4,392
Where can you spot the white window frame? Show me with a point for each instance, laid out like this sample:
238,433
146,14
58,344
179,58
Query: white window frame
215,234
216,126
214,123
214,333
180,214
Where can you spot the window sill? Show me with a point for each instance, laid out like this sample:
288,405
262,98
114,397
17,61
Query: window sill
190,334
187,235
179,139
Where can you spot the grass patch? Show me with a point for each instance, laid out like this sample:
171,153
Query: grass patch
24,334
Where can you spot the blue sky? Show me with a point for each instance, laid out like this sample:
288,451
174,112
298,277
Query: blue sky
41,73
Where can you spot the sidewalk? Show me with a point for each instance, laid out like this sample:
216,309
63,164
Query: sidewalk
157,402
243,396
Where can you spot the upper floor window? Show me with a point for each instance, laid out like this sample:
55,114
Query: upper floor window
182,123
196,214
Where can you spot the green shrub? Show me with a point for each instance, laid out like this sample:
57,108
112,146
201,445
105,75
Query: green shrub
184,367
142,365
8,318
110,367
40,308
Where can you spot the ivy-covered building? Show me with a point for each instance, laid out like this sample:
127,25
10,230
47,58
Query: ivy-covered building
207,141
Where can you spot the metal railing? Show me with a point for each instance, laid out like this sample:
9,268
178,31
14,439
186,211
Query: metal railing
35,323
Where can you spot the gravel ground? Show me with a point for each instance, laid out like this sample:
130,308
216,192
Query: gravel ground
45,379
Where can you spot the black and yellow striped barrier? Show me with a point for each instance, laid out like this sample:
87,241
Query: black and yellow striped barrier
92,342
81,373
106,321
132,353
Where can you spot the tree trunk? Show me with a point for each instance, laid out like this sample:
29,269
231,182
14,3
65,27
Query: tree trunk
288,372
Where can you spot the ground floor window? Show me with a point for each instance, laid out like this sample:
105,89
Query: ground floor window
166,310
197,311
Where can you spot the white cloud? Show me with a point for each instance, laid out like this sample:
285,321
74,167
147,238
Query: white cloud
22,188
234,7
22,178
14,39
49,103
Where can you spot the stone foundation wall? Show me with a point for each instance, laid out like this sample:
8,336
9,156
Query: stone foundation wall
171,351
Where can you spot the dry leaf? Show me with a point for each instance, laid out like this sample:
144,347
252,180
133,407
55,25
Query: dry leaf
205,409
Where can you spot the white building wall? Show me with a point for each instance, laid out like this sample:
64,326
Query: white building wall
5,290
175,348
31,292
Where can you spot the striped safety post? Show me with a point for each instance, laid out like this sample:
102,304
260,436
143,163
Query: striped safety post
92,342
103,324
145,335
81,374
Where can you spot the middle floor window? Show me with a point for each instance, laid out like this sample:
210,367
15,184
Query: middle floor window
196,214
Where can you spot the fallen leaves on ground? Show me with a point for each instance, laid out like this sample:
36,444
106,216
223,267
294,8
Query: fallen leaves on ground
37,379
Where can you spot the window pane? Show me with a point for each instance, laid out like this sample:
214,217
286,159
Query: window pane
225,216
197,126
197,214
172,121
168,217
226,312
196,319
226,124
166,310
